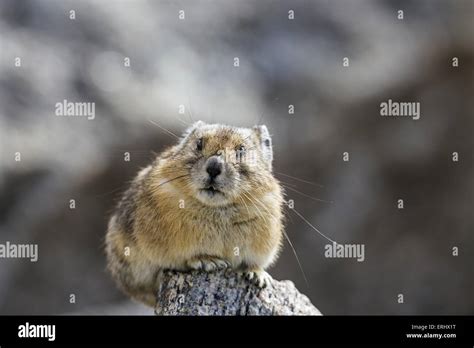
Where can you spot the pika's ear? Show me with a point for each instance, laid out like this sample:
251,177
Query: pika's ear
191,129
265,143
198,124
187,133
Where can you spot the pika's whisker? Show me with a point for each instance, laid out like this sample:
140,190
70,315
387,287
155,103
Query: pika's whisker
122,187
246,206
162,128
256,207
263,205
305,195
287,183
170,180
286,236
183,121
298,179
314,228
297,258
170,171
190,111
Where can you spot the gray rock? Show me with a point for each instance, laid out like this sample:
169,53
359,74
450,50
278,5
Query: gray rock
226,293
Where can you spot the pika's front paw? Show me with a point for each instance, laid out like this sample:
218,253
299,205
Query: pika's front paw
258,277
208,264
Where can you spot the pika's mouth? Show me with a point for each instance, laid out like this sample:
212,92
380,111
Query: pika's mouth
211,190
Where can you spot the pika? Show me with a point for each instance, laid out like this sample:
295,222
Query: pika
208,202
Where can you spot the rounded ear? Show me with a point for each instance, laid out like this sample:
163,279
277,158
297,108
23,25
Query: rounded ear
198,124
265,143
262,131
185,136
191,129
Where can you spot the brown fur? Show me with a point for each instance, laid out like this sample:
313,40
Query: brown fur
243,230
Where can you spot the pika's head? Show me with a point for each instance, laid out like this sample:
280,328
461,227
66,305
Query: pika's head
221,164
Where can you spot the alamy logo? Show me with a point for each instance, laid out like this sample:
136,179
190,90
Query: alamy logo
346,251
239,156
406,109
67,108
13,251
37,331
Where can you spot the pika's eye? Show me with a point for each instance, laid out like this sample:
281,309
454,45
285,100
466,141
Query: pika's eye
241,148
199,144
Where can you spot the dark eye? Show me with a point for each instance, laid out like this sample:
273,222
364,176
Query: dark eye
267,142
241,148
199,144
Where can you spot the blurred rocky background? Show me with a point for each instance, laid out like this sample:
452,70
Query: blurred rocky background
282,62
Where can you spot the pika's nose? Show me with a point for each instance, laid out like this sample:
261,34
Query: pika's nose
214,167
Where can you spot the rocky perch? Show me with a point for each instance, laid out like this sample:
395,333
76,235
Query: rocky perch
226,293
